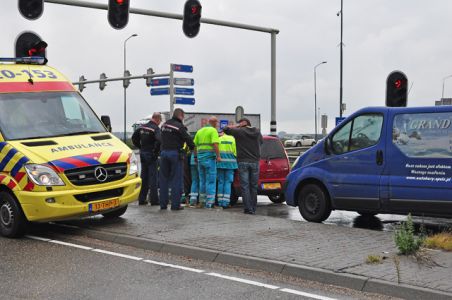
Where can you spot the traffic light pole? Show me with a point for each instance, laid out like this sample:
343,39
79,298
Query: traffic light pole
144,76
145,12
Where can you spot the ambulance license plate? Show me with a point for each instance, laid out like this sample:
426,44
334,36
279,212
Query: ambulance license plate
104,205
271,186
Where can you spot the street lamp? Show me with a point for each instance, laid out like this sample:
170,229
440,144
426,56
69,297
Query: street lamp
125,89
444,79
315,95
341,13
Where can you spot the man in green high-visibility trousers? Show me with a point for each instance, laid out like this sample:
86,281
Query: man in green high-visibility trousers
207,154
226,168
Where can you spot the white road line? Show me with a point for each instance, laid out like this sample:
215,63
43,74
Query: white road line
173,266
251,282
70,245
117,254
236,279
309,295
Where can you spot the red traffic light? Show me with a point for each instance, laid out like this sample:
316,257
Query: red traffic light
398,84
195,9
120,2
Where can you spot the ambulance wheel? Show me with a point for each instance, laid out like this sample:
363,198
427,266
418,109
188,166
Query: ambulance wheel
12,219
277,198
116,213
314,203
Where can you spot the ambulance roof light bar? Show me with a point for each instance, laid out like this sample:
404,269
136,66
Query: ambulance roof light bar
31,60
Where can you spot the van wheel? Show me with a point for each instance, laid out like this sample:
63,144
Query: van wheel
314,204
12,219
277,198
116,213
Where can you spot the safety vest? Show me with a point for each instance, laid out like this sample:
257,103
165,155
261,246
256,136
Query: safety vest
204,140
228,152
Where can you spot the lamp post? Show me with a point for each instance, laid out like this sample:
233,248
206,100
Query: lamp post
341,12
315,95
125,89
444,79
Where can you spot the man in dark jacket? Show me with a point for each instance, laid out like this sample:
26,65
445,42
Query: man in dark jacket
174,136
147,138
248,142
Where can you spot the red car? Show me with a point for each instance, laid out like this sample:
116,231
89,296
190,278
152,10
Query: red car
274,167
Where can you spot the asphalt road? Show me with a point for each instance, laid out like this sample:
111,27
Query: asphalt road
90,269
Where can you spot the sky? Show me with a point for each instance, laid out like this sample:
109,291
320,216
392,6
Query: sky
232,66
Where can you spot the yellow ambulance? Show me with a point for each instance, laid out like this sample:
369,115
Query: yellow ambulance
58,161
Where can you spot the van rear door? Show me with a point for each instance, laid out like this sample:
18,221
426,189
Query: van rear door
421,161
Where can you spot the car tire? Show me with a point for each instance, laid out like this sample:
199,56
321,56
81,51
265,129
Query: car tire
115,213
298,144
367,213
314,204
313,144
277,198
12,219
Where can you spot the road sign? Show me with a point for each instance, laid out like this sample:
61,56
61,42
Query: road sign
184,81
185,101
159,91
183,68
184,91
239,112
339,120
160,82
223,123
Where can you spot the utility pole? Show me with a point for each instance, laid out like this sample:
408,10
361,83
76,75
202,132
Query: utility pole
342,62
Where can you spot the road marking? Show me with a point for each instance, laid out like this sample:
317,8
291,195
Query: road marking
236,279
300,293
117,254
251,282
173,266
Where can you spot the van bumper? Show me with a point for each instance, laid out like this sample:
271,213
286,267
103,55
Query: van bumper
66,205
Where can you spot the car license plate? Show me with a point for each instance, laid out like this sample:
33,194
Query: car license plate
103,205
271,186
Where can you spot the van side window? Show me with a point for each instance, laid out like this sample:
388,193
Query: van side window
426,135
361,132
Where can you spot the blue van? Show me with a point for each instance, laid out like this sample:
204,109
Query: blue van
378,160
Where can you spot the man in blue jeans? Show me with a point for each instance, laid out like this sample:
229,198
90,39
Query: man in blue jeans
248,142
174,136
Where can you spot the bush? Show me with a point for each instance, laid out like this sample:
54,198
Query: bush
406,240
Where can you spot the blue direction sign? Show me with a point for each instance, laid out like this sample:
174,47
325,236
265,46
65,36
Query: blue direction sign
184,81
339,120
159,91
183,68
223,123
160,82
185,101
184,91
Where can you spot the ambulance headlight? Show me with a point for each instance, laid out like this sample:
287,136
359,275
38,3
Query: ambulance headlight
133,164
43,175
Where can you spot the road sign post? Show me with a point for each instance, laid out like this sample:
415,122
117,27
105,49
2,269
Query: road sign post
171,79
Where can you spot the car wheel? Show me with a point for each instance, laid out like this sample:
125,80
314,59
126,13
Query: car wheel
367,213
313,143
277,198
298,144
116,213
314,204
12,219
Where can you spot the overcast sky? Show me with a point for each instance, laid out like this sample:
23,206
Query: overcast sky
232,67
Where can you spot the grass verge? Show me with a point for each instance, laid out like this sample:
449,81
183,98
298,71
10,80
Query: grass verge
441,241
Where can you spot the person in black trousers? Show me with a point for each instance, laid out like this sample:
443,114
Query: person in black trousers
147,138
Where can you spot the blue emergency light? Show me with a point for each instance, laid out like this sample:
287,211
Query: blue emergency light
30,60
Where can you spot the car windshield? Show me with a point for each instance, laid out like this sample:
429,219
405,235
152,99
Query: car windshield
272,149
48,114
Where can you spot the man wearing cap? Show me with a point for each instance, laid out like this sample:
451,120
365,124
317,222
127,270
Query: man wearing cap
207,154
248,140
226,168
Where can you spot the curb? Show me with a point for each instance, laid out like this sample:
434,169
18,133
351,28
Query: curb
355,282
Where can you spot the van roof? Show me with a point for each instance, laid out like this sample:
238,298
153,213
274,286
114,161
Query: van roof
397,110
22,78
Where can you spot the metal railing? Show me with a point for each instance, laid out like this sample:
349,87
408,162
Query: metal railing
294,152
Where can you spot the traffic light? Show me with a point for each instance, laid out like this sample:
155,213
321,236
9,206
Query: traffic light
102,84
29,44
150,71
118,13
126,82
192,18
396,89
81,85
31,9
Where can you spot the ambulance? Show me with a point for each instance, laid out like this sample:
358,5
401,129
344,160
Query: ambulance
58,160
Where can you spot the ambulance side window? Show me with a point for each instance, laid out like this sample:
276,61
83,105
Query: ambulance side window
72,110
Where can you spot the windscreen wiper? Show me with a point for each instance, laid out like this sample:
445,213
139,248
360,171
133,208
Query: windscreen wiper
79,132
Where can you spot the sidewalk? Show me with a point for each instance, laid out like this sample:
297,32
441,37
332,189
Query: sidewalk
326,253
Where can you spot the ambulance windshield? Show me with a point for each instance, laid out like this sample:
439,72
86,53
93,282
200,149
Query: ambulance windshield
48,114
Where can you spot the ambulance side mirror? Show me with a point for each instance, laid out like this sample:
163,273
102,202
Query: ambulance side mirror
107,122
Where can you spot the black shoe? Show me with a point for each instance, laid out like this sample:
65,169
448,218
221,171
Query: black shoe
142,203
163,208
249,212
154,204
177,208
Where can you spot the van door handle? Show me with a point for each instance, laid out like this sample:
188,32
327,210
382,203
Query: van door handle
379,157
